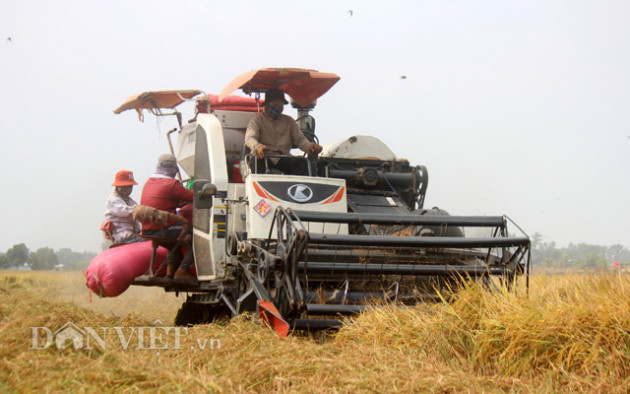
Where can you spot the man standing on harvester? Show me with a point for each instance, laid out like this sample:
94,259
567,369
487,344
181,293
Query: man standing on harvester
271,132
163,192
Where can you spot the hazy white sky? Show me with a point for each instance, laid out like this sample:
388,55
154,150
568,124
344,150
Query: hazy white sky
516,107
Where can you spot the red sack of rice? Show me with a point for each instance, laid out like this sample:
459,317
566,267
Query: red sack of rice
111,272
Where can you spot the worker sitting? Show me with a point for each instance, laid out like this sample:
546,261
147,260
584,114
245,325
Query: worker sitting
271,132
163,192
119,225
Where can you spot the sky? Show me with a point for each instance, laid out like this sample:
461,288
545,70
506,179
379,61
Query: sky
519,108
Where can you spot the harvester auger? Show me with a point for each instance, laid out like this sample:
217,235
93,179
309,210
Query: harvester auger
301,251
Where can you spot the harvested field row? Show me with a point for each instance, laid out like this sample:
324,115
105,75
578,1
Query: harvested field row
571,334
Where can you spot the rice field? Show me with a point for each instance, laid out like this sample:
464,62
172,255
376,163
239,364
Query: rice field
572,334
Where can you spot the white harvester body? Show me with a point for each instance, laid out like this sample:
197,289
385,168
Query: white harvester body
214,141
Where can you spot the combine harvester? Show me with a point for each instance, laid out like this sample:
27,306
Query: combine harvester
303,250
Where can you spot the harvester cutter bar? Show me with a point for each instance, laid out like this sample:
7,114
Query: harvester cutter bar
314,324
334,309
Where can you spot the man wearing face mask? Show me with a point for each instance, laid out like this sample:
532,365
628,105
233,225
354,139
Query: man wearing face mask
162,191
119,211
271,132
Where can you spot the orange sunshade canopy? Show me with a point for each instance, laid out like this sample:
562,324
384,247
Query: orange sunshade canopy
303,85
156,100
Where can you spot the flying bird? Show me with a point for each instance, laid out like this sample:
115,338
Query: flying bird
403,77
9,39
350,12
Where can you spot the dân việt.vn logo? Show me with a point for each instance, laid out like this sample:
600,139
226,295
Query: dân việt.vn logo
156,337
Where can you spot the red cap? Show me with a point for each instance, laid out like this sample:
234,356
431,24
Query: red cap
124,178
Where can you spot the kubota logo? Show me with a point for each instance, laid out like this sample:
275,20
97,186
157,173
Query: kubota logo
300,193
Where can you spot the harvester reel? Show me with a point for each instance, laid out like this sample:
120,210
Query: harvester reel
277,264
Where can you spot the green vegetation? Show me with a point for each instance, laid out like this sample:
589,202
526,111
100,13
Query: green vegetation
545,255
20,257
